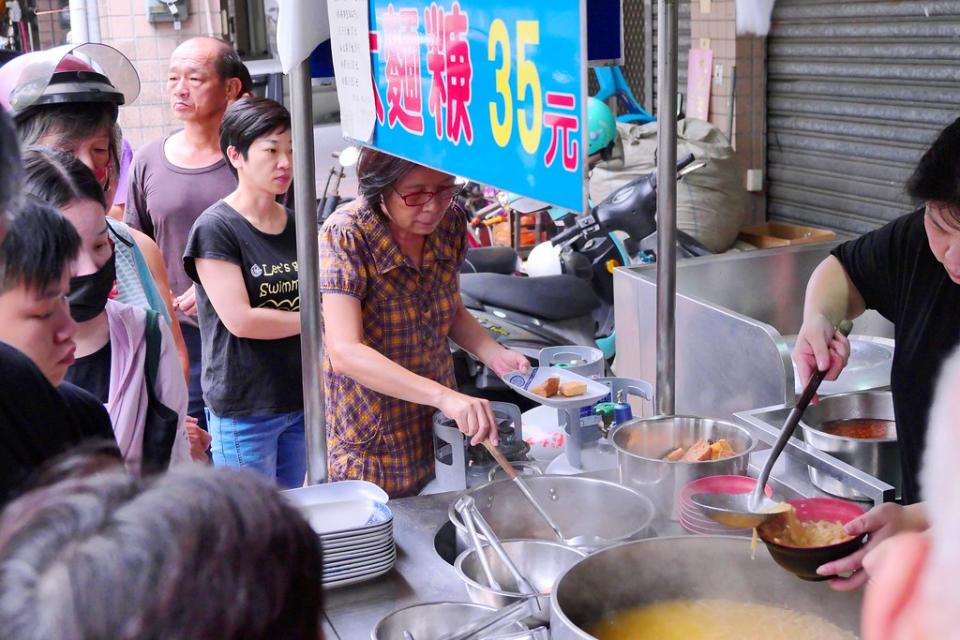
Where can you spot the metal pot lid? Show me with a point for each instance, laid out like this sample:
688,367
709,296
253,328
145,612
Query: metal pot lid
868,366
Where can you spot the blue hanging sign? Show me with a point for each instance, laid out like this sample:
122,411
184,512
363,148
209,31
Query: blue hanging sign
490,90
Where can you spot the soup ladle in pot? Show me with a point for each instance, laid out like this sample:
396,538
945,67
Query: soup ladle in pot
524,489
750,510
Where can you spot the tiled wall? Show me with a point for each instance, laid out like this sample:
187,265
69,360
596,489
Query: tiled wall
123,24
50,26
713,23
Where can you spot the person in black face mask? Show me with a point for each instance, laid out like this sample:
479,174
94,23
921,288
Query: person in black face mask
145,393
89,294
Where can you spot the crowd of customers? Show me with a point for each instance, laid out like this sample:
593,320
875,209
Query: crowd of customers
113,523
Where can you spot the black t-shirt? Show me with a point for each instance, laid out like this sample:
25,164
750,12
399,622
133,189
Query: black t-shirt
897,274
92,373
38,421
241,376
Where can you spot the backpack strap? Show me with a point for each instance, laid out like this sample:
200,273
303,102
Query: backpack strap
153,338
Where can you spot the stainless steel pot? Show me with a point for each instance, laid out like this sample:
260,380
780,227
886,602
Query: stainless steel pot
641,444
433,620
879,458
689,567
539,561
580,507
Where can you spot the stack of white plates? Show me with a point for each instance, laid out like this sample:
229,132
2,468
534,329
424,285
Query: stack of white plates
355,527
358,554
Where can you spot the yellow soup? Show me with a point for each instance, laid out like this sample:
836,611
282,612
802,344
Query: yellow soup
714,620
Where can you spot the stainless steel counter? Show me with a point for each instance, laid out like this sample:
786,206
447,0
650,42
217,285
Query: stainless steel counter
421,575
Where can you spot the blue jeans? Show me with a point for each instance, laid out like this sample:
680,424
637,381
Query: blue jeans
195,408
274,445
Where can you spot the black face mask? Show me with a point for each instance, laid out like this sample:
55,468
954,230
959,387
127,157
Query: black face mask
89,293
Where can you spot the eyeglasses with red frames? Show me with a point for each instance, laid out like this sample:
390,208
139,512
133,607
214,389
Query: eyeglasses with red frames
420,198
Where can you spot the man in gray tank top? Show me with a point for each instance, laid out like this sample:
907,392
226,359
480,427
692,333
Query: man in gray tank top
172,181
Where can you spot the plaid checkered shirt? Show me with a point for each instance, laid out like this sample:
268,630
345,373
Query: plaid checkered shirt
406,316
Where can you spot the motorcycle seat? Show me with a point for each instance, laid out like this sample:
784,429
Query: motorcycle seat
562,297
490,260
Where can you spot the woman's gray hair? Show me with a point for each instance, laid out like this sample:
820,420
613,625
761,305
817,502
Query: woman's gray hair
196,553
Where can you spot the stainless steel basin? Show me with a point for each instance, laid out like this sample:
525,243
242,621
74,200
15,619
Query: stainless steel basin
580,507
878,457
641,444
539,561
433,620
688,567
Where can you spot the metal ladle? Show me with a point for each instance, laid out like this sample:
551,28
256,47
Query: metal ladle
524,489
750,510
576,541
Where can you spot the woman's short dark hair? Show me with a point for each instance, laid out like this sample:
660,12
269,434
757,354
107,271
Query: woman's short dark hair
71,123
59,177
248,119
936,177
39,246
196,553
378,171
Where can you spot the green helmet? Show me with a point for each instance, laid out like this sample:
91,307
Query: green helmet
601,126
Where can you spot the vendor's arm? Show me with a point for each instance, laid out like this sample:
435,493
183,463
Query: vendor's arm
831,298
881,522
349,356
473,338
223,283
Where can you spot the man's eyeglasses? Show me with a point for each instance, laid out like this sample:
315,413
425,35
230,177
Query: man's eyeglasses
420,198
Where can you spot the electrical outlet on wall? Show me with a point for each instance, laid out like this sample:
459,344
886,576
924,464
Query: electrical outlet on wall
718,75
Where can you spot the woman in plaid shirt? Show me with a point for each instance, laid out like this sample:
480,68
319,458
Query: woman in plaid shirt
389,265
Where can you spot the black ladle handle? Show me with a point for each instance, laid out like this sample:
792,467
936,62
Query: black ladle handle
791,425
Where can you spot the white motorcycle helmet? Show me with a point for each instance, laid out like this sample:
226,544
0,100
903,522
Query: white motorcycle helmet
544,260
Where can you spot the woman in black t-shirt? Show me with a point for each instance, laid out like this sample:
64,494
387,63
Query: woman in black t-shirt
909,271
242,253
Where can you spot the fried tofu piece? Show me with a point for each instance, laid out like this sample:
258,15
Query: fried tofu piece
675,455
721,449
573,389
698,452
549,387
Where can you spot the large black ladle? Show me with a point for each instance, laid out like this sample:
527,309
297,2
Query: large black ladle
750,510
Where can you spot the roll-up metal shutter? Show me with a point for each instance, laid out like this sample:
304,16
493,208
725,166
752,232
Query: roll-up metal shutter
856,92
683,46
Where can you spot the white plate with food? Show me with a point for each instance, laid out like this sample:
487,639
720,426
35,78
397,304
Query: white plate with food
556,387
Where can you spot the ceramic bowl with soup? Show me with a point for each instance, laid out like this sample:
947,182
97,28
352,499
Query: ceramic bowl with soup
811,534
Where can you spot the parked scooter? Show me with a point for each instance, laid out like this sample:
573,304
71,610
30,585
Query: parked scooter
330,199
574,305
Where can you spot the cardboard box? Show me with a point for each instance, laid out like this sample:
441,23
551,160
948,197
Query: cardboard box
783,234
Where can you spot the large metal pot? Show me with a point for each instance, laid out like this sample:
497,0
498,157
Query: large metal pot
880,458
689,567
641,444
580,507
539,561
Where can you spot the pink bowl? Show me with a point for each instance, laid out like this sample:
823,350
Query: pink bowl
803,561
718,530
720,484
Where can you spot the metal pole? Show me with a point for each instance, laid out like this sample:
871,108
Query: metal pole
79,29
311,321
666,204
93,22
